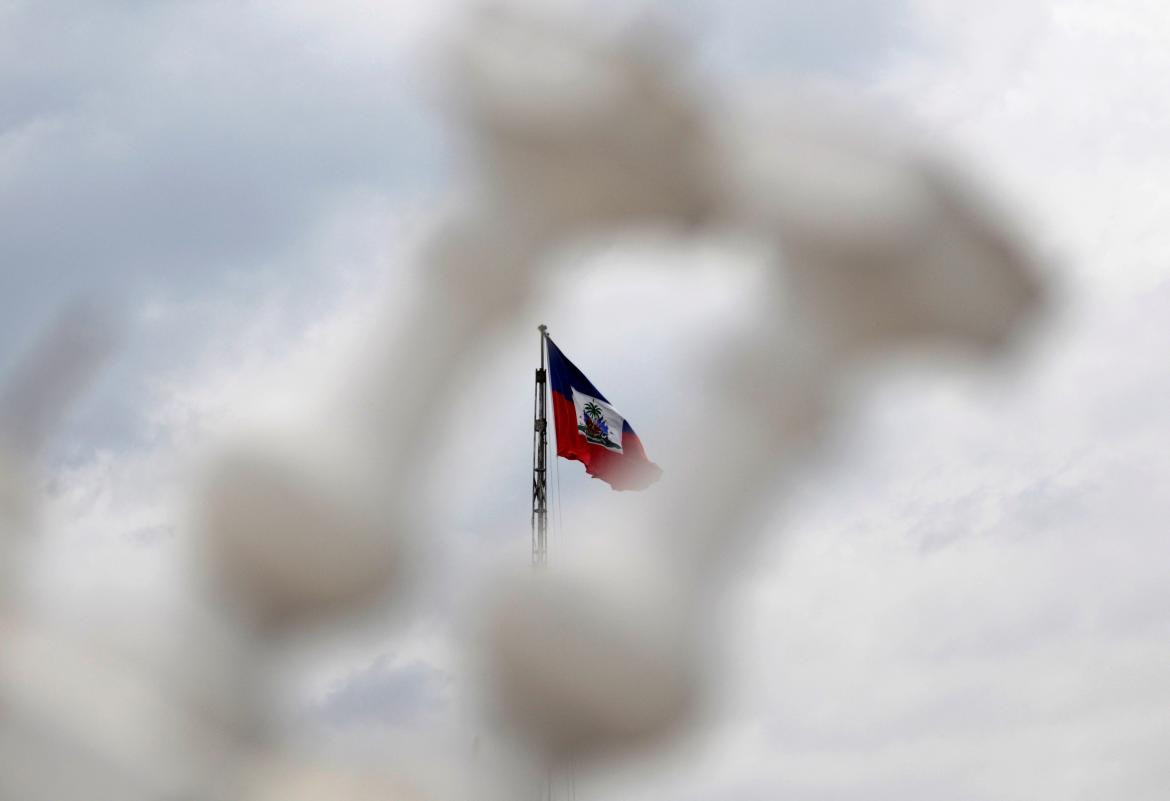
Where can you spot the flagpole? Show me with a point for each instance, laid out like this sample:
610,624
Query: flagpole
540,514
540,461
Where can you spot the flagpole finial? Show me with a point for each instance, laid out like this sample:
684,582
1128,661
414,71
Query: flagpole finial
543,329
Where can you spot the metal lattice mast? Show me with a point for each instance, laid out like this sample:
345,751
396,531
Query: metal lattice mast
540,463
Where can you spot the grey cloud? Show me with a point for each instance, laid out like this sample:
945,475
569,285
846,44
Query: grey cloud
182,151
203,156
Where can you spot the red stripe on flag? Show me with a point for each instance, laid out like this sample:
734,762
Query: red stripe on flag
628,470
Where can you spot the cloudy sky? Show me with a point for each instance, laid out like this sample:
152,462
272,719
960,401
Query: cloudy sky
967,599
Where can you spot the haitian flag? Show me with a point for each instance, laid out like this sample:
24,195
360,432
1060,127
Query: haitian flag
592,432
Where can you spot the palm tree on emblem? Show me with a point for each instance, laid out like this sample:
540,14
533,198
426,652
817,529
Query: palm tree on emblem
595,428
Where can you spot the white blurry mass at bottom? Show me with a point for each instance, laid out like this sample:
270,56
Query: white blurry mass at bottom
871,245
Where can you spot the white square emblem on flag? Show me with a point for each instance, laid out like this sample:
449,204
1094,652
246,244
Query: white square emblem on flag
598,422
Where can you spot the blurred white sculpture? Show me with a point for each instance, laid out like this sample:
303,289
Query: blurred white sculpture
880,247
594,657
297,527
572,132
33,399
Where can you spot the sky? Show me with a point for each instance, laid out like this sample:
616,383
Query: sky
964,597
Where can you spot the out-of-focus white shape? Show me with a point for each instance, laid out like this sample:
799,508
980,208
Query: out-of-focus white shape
282,778
592,655
575,131
16,511
883,242
33,400
83,721
296,527
53,374
878,246
572,129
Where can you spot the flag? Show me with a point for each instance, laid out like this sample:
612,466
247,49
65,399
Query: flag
591,431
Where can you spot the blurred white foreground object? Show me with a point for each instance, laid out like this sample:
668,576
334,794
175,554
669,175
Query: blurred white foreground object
883,243
84,719
296,528
281,778
573,132
877,246
573,129
16,512
53,374
81,717
593,655
34,399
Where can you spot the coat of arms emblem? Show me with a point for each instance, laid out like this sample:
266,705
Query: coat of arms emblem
595,427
